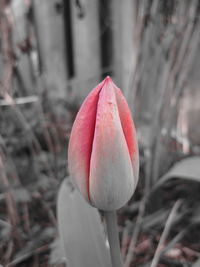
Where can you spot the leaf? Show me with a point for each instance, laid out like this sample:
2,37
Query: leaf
80,230
21,195
56,256
188,169
197,263
156,218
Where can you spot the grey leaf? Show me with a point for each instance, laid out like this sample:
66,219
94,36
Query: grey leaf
188,169
81,230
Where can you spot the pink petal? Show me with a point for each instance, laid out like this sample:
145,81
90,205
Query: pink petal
129,131
111,173
81,140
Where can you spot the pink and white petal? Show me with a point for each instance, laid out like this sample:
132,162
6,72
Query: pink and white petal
129,131
111,179
81,140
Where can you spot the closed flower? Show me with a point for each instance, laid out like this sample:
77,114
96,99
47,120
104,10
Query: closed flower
103,150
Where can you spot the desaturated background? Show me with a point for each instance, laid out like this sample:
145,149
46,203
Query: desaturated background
52,53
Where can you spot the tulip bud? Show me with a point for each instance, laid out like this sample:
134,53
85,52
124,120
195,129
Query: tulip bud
103,150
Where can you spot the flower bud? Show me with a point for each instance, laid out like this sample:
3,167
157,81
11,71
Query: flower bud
103,150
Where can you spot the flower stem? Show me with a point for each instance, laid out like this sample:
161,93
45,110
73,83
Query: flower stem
113,238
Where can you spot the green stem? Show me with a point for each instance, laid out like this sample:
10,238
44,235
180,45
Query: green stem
113,238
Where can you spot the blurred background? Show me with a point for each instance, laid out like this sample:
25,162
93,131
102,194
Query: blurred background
52,53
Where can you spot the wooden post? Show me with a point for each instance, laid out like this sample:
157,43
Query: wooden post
50,33
86,47
20,35
124,52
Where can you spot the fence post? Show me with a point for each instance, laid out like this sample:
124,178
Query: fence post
124,53
50,31
86,46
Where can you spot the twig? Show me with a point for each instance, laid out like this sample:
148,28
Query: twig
8,55
165,233
174,82
28,255
186,66
35,145
10,204
175,240
125,241
12,211
9,251
20,100
10,162
131,249
136,232
26,217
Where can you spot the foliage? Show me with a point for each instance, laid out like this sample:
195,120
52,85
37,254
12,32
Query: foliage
34,132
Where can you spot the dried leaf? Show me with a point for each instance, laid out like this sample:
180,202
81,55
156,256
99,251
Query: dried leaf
197,263
21,195
57,256
187,169
156,218
81,230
